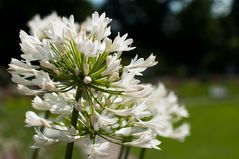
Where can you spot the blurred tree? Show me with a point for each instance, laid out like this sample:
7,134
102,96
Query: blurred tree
184,33
15,14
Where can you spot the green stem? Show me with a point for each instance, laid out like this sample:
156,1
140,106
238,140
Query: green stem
35,151
142,153
127,152
74,117
121,152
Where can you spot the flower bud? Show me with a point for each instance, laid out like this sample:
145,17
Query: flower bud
87,80
86,68
77,71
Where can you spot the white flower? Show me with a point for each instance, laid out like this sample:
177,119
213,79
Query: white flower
21,80
165,106
103,121
121,44
124,131
26,74
113,64
29,44
59,135
39,104
33,48
41,140
182,112
138,111
97,26
62,29
98,150
38,25
27,91
41,80
58,103
19,67
139,65
146,140
44,81
155,124
131,87
23,64
34,120
121,112
89,47
181,132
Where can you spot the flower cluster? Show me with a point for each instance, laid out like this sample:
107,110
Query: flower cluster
75,74
166,109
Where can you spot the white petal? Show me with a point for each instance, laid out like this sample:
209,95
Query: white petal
41,140
146,140
32,119
124,131
39,104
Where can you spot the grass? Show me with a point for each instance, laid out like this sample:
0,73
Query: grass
214,127
214,132
12,116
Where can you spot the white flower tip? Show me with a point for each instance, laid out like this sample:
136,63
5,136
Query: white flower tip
87,80
22,33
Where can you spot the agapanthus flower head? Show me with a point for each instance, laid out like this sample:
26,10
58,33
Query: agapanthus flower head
71,55
166,108
76,75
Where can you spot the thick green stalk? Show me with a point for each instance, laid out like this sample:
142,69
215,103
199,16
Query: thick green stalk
35,153
142,153
74,117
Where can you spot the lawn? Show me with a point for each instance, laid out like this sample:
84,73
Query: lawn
214,132
214,129
13,132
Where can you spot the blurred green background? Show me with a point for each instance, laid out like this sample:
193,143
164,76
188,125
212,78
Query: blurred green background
197,46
